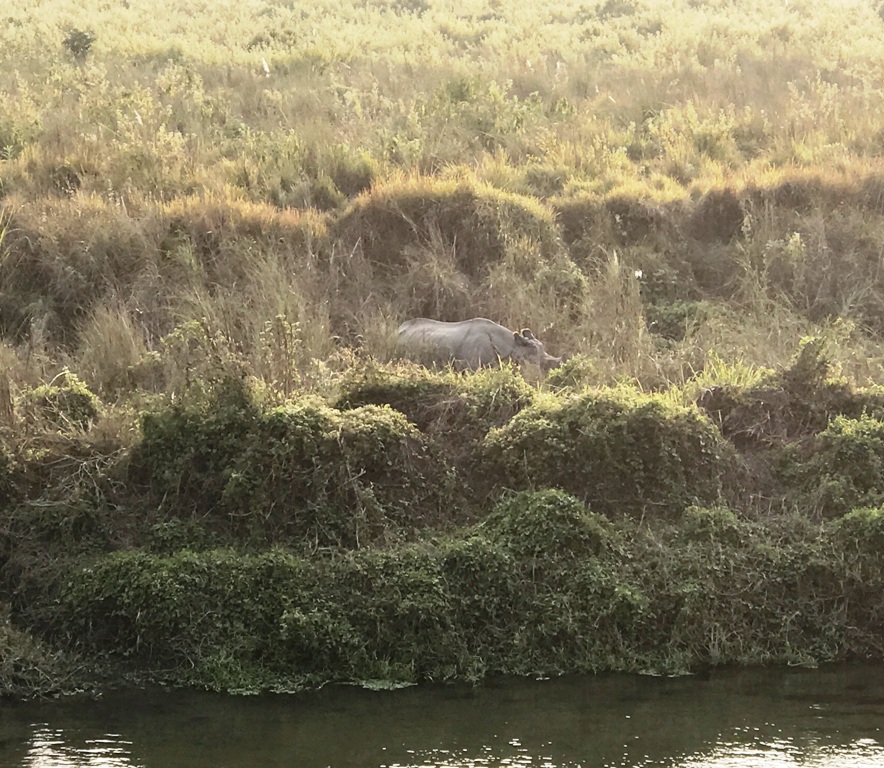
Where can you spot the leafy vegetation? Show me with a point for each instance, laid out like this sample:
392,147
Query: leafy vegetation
619,452
213,470
541,587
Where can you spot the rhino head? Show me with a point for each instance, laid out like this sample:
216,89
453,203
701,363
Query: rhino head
529,349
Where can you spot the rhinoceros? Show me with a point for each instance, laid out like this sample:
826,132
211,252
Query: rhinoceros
471,344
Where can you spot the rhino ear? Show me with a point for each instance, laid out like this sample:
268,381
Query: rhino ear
526,332
519,339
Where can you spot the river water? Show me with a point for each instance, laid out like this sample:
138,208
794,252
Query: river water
827,718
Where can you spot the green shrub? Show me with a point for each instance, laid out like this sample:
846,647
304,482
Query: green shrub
799,401
590,617
60,528
861,530
170,536
400,604
30,667
673,320
544,594
183,458
454,411
758,417
320,639
320,193
860,535
189,610
422,395
351,171
816,394
540,586
858,538
486,593
280,461
336,477
64,404
79,43
728,591
847,466
544,524
302,472
441,401
710,526
617,451
271,616
574,374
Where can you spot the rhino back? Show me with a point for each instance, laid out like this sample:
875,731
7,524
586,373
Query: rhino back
473,343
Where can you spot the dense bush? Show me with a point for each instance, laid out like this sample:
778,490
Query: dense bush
302,472
455,412
28,664
439,401
621,452
861,532
65,404
544,523
462,608
338,478
798,401
541,586
185,452
217,612
847,466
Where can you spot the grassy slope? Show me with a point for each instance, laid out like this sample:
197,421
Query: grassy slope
137,164
677,192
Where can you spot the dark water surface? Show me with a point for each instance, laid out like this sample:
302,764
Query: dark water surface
826,718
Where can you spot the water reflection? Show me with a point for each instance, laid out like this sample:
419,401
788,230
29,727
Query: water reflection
832,718
53,748
862,753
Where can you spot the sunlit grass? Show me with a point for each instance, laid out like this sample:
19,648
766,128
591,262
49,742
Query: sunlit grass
234,163
639,87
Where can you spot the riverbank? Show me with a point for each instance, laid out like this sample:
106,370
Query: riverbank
439,526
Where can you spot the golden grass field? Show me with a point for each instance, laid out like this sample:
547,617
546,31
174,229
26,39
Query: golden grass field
331,169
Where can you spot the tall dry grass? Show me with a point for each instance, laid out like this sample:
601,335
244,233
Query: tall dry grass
171,204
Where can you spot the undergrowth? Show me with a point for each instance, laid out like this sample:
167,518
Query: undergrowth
542,586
